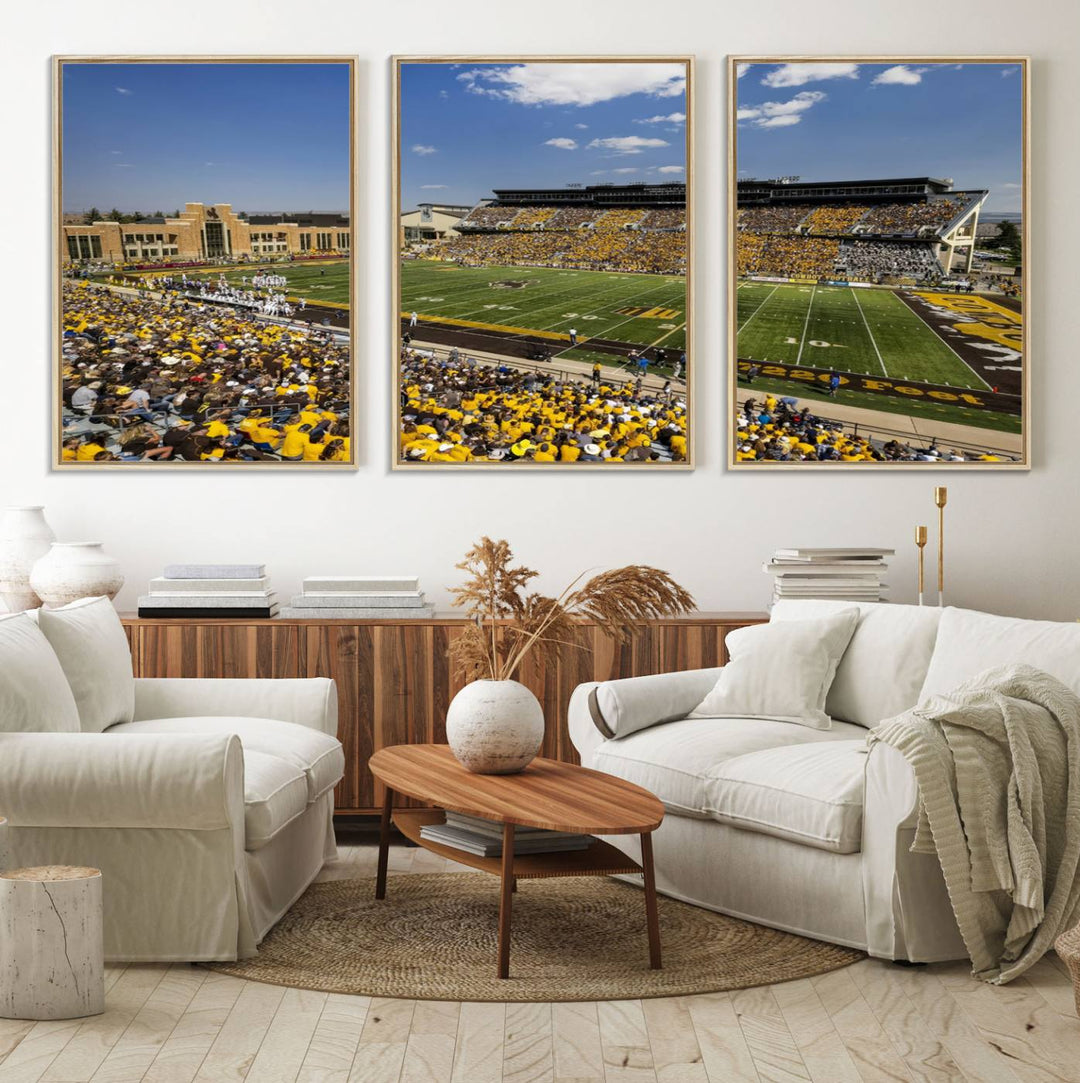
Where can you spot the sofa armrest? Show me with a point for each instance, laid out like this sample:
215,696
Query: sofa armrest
310,701
619,708
908,913
191,782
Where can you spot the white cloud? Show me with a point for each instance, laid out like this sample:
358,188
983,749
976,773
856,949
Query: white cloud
625,169
123,90
430,187
443,94
663,118
598,173
116,152
423,150
122,165
574,84
1010,184
781,114
562,143
899,75
742,69
671,169
801,74
581,127
627,144
1006,72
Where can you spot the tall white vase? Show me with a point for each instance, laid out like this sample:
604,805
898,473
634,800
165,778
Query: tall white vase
74,570
25,537
495,727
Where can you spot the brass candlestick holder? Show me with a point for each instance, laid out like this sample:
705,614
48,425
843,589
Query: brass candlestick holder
920,541
941,495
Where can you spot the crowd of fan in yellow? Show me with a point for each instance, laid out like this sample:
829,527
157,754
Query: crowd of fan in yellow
463,412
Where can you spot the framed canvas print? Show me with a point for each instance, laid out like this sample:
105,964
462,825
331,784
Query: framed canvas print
878,266
205,240
543,232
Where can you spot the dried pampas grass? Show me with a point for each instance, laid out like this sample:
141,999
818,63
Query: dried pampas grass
509,623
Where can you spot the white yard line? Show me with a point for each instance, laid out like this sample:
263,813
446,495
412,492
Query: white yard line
758,309
873,341
940,338
806,324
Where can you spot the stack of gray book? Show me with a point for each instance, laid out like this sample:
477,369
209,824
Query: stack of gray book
484,837
210,590
844,575
360,597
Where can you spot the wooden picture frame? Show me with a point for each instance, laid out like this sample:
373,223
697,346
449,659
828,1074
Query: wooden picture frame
475,72
994,346
195,237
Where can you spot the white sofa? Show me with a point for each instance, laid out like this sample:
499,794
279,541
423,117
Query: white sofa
207,804
804,829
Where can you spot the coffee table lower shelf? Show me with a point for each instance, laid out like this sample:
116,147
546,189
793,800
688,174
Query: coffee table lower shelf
600,859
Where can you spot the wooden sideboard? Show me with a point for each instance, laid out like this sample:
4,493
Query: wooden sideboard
394,682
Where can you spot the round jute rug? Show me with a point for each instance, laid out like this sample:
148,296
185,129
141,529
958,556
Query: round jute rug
434,938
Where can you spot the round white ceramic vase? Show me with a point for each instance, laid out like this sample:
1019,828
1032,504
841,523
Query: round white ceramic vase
25,537
74,570
495,727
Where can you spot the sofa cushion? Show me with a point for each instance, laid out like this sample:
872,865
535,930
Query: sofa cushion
886,661
781,671
808,793
678,761
34,693
275,793
317,754
93,650
970,642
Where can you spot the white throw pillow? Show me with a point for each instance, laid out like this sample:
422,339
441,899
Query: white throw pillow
93,649
34,694
781,671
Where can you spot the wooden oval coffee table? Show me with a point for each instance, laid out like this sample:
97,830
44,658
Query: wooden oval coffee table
547,794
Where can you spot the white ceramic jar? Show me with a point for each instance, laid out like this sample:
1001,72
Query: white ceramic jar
495,727
74,570
25,537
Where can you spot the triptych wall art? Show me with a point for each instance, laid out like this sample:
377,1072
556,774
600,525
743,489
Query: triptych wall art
542,266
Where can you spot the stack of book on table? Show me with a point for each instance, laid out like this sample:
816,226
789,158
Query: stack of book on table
484,837
210,590
849,575
360,597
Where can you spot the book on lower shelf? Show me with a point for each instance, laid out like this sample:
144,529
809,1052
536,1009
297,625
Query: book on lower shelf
483,838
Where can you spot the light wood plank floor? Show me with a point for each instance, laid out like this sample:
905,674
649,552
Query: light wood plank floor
872,1021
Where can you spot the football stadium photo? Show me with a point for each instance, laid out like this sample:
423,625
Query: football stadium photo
878,236
204,290
541,296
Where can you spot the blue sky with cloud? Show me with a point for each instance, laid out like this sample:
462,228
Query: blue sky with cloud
153,136
469,128
849,121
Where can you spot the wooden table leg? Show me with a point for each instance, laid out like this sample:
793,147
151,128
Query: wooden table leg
651,915
384,843
505,899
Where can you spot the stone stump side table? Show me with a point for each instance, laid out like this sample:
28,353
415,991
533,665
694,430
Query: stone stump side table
51,943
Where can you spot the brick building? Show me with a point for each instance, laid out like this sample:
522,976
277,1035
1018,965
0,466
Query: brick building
207,232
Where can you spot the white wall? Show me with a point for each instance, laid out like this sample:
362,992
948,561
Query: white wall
1013,537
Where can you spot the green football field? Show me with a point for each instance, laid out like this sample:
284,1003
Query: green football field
312,281
854,330
642,310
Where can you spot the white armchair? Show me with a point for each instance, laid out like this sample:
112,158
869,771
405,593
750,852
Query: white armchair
207,804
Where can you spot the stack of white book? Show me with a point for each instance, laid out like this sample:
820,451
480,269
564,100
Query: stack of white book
484,837
210,590
850,575
360,597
